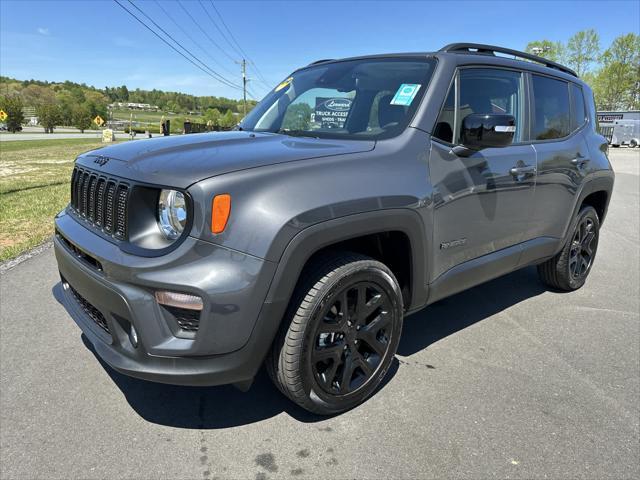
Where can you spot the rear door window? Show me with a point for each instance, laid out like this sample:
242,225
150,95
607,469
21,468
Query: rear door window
552,111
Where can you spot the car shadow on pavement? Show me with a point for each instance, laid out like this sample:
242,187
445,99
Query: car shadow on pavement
209,407
462,310
226,406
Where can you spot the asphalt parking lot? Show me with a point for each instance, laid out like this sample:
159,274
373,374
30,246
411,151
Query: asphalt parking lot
507,380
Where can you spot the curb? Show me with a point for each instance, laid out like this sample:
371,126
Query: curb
34,252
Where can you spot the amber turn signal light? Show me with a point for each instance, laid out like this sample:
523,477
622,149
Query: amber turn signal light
220,210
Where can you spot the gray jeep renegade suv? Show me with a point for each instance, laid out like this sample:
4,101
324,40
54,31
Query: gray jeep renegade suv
358,191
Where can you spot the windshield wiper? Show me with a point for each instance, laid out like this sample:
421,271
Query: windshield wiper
296,133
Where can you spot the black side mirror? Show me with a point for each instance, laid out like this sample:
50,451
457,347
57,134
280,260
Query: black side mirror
487,130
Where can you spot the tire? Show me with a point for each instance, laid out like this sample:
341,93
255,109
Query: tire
328,358
569,269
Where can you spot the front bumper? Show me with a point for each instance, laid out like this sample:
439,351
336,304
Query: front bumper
236,327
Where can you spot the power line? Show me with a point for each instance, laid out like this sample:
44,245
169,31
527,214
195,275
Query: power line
212,74
244,54
219,29
205,33
252,95
222,78
202,49
228,30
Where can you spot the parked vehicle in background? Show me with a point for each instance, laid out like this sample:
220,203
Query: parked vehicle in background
625,132
358,191
607,121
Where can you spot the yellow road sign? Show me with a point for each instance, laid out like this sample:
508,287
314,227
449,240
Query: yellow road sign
3,115
98,120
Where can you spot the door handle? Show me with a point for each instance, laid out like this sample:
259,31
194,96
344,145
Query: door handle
516,171
579,161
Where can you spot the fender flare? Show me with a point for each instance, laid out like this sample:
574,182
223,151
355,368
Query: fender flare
596,183
316,237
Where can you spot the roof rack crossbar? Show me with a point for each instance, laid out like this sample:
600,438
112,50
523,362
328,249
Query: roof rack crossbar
492,50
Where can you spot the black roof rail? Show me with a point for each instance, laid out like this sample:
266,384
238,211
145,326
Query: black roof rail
492,50
321,61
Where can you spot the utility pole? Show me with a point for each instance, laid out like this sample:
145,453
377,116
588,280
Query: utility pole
244,86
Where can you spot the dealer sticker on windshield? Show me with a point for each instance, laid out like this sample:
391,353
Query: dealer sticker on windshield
405,94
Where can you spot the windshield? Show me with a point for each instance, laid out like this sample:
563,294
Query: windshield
367,99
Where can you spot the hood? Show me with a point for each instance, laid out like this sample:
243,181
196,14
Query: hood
180,161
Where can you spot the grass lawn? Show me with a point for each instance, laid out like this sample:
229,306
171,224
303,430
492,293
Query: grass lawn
34,186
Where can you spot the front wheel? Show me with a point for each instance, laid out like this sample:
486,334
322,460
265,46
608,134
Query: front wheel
569,269
340,336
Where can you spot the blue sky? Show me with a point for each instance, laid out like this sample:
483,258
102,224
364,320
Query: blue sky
98,43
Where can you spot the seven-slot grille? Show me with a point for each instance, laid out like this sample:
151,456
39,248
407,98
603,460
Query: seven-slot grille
100,200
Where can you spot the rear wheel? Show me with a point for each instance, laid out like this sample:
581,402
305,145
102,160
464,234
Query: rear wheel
569,269
341,334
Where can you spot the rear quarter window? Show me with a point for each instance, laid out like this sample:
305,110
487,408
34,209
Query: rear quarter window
578,110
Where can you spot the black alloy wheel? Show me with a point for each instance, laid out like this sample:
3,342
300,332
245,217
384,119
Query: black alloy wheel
582,248
351,338
568,269
340,335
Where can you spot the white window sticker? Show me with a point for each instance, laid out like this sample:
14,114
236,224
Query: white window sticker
405,94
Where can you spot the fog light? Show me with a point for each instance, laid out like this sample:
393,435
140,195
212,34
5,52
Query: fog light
179,300
133,336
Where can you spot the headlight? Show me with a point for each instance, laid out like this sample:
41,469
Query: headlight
172,213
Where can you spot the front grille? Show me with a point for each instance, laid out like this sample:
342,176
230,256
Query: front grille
92,312
100,200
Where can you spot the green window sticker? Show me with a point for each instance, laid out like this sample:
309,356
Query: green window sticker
405,94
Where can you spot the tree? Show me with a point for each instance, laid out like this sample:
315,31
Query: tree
122,93
554,51
616,85
623,56
228,120
34,95
214,116
66,102
173,107
48,116
582,50
96,102
298,117
81,117
12,106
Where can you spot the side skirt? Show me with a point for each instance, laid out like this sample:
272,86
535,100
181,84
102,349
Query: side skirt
493,265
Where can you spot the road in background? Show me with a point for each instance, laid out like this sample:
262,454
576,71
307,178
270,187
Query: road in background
505,380
8,137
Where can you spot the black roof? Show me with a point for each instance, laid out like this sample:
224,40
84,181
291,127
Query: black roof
471,49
